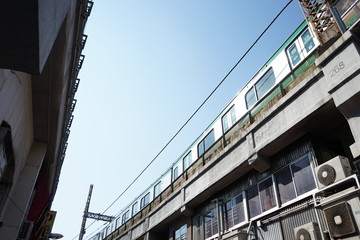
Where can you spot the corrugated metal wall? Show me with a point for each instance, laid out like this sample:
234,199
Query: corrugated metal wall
271,231
297,219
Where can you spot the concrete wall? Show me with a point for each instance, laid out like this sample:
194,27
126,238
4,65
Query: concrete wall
29,29
16,111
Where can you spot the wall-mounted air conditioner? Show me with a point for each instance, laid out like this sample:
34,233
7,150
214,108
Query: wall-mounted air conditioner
309,231
340,219
332,171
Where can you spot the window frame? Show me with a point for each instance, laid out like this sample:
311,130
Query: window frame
157,189
250,205
307,30
296,44
230,119
274,194
143,202
135,208
265,79
202,143
292,185
181,233
248,106
259,208
103,234
234,206
125,216
175,170
269,74
213,216
119,221
308,158
293,182
188,160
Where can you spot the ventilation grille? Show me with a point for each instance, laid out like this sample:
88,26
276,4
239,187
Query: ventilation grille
340,220
302,234
25,230
326,175
309,231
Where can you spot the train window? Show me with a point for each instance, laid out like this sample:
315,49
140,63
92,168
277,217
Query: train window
294,54
265,83
267,194
206,143
229,119
211,223
157,189
261,87
103,234
253,201
307,40
135,208
250,98
209,140
187,160
175,173
303,176
118,222
125,217
108,231
234,212
145,200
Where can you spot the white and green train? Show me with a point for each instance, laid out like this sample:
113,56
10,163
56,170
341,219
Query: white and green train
293,57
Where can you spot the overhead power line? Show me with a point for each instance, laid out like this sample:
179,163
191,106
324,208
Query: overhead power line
197,110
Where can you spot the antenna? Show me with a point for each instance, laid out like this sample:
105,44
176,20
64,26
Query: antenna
88,214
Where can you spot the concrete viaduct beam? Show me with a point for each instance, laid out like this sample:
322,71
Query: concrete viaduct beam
340,65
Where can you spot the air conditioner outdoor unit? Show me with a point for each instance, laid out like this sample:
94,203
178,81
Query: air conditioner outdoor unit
332,171
309,231
340,219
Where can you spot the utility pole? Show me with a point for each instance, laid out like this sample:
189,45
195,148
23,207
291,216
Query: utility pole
88,214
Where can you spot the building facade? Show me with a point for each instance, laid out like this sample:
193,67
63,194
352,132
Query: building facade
40,58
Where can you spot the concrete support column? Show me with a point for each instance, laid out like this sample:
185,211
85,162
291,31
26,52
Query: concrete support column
341,67
23,190
351,110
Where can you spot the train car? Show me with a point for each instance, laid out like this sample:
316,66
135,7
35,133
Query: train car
95,237
282,66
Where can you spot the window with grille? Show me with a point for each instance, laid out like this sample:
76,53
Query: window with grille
211,223
233,212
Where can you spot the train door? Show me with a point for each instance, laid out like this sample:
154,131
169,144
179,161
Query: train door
301,47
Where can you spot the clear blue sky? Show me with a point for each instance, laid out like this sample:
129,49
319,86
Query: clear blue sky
148,66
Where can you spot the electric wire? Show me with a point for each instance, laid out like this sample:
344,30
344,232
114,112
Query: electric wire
196,111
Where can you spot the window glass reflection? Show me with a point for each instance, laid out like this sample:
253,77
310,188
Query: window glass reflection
267,196
285,185
253,201
303,176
